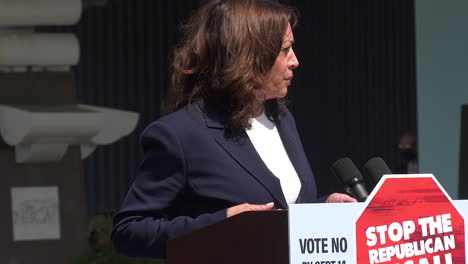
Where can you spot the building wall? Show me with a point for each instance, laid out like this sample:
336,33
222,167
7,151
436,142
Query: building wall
442,85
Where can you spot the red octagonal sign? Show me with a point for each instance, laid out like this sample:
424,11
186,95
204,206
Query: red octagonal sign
410,220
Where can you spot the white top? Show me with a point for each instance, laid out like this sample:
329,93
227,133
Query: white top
267,142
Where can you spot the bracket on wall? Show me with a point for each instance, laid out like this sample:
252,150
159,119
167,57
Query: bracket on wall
117,124
42,133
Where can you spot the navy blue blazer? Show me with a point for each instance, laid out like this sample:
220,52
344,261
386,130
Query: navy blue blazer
192,172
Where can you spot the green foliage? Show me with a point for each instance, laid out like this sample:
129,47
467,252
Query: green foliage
101,251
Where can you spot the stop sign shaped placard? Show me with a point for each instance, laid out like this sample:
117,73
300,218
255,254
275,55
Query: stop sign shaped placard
410,219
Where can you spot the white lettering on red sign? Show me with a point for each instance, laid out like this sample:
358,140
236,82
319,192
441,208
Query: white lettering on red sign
396,232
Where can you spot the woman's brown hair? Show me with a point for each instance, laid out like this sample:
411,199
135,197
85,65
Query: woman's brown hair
228,46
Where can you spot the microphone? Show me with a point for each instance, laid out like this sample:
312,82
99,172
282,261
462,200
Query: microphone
350,176
375,168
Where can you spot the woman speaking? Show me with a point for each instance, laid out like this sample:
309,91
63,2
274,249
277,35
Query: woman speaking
229,145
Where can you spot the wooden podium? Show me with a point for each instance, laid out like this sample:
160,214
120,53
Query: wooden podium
247,238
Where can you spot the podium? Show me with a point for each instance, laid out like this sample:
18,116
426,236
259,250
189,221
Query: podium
406,219
246,238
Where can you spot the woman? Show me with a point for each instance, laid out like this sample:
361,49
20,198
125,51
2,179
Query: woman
231,145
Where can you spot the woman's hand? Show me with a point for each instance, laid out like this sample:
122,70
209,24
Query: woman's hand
231,211
340,198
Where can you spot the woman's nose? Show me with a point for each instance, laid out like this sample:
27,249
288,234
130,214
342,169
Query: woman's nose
293,62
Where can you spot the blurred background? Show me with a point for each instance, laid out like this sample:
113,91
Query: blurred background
370,72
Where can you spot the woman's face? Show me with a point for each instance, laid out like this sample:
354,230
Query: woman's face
281,74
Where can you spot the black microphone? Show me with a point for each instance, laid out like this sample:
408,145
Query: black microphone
350,176
375,168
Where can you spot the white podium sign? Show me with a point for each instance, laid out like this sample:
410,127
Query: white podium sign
322,233
326,233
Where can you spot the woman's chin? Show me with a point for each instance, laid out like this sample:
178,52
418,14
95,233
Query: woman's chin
283,93
278,94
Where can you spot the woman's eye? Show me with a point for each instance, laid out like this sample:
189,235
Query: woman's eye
286,50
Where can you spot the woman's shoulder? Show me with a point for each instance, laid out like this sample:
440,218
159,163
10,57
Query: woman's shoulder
183,120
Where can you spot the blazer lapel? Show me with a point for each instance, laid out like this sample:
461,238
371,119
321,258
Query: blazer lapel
241,149
295,152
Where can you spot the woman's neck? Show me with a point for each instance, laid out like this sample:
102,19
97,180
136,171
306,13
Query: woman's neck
259,109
